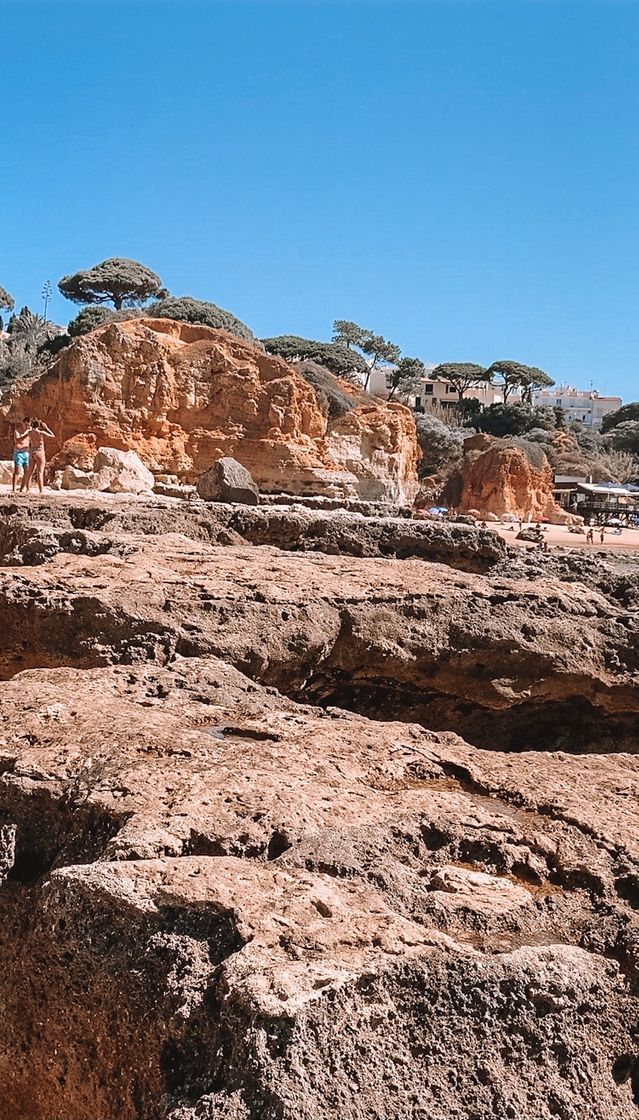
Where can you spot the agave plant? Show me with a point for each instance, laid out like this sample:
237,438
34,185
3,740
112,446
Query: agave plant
31,329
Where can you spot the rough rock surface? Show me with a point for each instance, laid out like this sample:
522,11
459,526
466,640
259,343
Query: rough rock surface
225,905
228,481
292,529
492,658
120,472
113,471
75,479
498,479
183,395
218,902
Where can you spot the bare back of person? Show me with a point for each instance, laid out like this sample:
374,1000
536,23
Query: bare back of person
38,432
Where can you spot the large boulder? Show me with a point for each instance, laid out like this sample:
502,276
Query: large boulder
75,479
532,535
228,481
121,472
6,472
183,395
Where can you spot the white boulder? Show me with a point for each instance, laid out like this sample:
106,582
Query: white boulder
121,472
6,472
74,479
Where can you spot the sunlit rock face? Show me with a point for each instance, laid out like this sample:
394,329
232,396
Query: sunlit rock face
183,396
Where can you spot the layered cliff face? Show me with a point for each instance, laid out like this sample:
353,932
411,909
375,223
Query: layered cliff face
500,478
183,395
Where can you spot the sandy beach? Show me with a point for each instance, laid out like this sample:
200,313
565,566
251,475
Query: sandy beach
558,535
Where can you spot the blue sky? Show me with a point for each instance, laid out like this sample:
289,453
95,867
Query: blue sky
459,175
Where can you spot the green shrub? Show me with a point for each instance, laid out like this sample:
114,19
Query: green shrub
90,318
338,359
620,416
513,419
441,446
188,310
331,398
624,437
534,453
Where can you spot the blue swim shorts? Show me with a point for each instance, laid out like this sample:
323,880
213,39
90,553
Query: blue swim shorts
21,459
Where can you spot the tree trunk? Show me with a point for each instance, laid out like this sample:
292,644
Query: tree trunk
368,375
117,302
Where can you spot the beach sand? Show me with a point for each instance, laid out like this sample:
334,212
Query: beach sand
558,535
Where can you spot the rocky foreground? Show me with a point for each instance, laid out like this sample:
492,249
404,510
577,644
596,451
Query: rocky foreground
229,894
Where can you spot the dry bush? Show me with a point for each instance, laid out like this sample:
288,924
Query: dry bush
614,466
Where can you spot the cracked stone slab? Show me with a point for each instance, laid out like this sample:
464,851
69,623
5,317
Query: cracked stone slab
237,906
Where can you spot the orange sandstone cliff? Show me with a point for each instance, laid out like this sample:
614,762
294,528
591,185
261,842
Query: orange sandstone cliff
182,395
498,478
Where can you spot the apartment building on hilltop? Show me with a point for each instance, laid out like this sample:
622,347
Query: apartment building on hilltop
436,392
445,394
586,405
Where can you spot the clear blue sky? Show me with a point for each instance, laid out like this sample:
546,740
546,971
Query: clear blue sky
459,175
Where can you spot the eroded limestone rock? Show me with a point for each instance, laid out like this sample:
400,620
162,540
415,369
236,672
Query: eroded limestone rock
75,479
218,902
120,472
224,904
498,477
182,395
228,481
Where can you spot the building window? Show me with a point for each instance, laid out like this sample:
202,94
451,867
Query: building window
428,390
558,403
451,389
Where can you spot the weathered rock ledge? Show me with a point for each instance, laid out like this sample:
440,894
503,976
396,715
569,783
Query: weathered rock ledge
225,905
507,662
223,896
285,527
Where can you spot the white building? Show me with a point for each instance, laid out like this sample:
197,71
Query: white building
435,392
445,394
377,381
586,405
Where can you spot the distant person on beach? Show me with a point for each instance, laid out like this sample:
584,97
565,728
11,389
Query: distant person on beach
590,536
602,533
37,456
20,450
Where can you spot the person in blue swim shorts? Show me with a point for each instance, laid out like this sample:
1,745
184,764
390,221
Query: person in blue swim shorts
21,432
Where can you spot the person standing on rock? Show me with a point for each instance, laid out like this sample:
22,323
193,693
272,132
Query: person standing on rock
21,432
37,456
